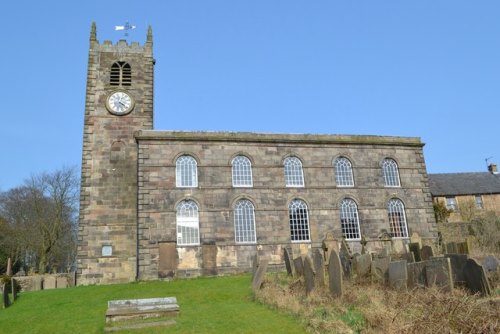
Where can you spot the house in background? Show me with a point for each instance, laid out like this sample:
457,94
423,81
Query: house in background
466,194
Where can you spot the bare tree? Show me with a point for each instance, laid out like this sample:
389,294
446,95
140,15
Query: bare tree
42,220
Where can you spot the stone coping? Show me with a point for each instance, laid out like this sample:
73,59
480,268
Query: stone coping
251,137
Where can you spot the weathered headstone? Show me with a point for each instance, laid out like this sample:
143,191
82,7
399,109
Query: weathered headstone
167,259
255,265
298,263
346,259
49,282
490,263
13,285
258,278
398,275
408,257
380,269
457,262
416,274
476,279
120,311
416,239
9,267
329,244
426,253
5,296
438,272
36,283
209,259
399,246
308,274
288,261
72,279
362,264
319,267
386,251
415,249
451,248
463,248
61,282
335,275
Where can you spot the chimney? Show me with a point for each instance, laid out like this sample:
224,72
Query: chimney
493,168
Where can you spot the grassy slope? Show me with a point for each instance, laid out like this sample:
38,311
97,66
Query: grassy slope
208,305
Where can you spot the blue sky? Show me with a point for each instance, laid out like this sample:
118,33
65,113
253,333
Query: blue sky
425,68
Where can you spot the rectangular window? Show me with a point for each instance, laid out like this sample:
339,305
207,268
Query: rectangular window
479,202
451,203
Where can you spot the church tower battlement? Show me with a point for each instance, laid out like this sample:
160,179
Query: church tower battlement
119,101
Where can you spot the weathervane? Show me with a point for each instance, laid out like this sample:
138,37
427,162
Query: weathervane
125,28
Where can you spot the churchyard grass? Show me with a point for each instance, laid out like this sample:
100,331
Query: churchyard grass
207,305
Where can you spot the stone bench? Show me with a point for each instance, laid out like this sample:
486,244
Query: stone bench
131,309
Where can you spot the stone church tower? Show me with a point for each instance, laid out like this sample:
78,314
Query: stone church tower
119,101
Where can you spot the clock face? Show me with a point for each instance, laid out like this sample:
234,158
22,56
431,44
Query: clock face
120,103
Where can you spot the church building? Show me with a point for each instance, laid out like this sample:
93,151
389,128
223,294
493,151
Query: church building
157,204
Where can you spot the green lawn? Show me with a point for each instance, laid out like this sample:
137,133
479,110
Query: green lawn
208,305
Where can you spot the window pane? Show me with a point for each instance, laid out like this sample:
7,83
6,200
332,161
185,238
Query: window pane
186,172
244,222
343,173
349,219
299,221
397,219
294,176
187,223
242,172
391,173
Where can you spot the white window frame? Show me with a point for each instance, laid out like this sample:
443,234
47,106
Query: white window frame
397,218
390,170
349,219
298,216
294,174
478,199
186,172
451,203
244,222
242,172
188,223
343,172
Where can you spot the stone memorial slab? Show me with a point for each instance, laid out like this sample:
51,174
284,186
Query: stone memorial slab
319,267
416,275
362,265
255,265
399,246
438,273
335,275
476,279
346,259
167,259
9,267
209,259
49,282
408,257
36,283
61,282
415,249
309,275
288,262
490,263
13,285
5,296
130,309
426,253
457,262
386,251
398,275
380,269
258,278
298,264
72,279
329,244
416,239
451,248
463,248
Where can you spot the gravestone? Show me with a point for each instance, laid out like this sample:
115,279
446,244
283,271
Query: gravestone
438,272
345,259
308,274
386,251
426,253
335,274
399,246
298,264
13,285
61,282
463,248
49,282
415,249
72,279
398,275
329,244
362,264
416,274
9,267
258,278
319,267
36,283
408,257
458,262
255,264
209,259
451,248
125,311
380,269
288,262
5,296
490,263
167,259
476,279
416,239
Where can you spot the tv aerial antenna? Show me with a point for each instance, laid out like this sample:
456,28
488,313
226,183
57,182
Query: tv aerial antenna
125,28
486,160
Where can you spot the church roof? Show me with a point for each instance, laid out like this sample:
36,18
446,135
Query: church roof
451,184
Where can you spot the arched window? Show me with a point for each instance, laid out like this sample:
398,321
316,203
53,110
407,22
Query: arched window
391,173
294,176
349,219
343,172
121,74
299,220
397,218
242,171
188,228
244,222
186,172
